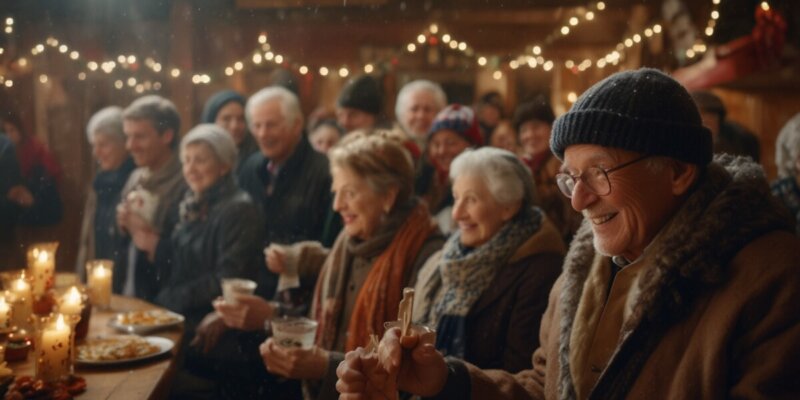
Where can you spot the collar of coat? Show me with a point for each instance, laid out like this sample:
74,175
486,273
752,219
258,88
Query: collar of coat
729,207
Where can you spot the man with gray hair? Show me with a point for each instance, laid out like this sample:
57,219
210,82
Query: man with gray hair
417,104
148,209
287,178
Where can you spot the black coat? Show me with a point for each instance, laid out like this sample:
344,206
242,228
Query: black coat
223,240
297,208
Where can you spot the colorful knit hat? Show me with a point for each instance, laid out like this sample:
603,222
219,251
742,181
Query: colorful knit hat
459,119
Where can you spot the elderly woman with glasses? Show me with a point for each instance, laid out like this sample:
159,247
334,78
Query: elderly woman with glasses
486,291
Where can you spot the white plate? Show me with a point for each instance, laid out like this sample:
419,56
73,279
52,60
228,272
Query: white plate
144,329
164,346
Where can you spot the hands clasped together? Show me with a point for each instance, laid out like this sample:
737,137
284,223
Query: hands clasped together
410,363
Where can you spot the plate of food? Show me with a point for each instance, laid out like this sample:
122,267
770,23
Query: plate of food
123,349
142,322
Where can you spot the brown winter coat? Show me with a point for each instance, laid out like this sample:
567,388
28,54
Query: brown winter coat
715,315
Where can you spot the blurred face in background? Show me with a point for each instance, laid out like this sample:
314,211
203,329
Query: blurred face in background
444,146
108,150
504,137
201,166
534,136
231,118
324,138
351,119
275,134
419,111
147,147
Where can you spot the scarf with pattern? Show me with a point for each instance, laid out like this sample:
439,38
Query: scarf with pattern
465,273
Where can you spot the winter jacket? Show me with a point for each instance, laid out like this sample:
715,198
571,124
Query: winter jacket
714,314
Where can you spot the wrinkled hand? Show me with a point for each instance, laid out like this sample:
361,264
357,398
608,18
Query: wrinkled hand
208,332
294,362
143,234
248,314
21,195
275,259
412,360
361,376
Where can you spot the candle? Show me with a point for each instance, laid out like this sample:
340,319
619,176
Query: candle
100,282
23,302
53,355
42,266
5,313
71,303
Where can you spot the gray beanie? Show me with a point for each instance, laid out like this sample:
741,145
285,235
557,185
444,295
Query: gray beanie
217,138
644,111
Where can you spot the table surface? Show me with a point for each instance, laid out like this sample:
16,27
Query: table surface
147,379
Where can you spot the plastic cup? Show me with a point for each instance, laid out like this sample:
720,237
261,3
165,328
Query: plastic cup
294,331
232,287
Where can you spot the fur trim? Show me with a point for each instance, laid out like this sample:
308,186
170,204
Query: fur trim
730,206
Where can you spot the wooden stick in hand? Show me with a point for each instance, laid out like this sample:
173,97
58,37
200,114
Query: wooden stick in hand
404,314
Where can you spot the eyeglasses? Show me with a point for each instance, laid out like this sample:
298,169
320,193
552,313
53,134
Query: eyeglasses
595,178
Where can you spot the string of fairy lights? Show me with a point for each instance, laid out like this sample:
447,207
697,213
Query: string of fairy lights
264,54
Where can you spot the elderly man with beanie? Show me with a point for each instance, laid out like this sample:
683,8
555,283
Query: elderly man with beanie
533,121
681,283
728,136
454,130
359,104
226,109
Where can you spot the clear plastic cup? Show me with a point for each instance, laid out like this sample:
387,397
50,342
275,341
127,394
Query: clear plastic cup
232,287
294,331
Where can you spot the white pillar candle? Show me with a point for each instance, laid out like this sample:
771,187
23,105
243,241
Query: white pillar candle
71,303
42,266
23,302
53,357
5,313
100,283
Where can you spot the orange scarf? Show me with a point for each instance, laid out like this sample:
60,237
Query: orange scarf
378,299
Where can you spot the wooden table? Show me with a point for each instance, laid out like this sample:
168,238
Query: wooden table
143,380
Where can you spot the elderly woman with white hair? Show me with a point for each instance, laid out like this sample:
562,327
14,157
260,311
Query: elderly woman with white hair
787,158
114,166
417,104
219,234
486,290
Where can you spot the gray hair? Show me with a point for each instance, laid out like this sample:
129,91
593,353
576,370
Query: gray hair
219,140
158,110
108,122
290,105
415,86
507,178
787,148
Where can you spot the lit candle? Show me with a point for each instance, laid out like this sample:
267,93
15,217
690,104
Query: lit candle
23,302
71,302
5,313
100,283
53,358
41,265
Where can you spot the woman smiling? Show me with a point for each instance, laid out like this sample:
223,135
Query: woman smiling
486,291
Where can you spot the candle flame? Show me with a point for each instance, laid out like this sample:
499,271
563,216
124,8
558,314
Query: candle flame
74,296
100,271
20,283
60,325
42,257
3,303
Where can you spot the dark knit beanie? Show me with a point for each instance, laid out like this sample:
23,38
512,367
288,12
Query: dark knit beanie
362,93
459,119
644,111
216,102
535,110
709,102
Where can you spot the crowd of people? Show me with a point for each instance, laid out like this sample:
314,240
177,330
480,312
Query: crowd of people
630,248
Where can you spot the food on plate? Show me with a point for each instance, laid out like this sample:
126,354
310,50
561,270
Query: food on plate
147,318
26,387
115,348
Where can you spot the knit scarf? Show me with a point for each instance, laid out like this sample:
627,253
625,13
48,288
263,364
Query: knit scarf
378,298
465,273
194,206
108,184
